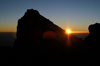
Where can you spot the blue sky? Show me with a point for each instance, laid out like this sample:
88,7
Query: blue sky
75,14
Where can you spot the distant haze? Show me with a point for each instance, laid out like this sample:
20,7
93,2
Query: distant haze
81,35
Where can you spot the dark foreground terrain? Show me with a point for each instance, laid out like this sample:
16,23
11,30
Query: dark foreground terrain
40,42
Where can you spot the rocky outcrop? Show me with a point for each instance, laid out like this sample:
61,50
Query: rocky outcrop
94,29
31,28
92,42
38,38
94,34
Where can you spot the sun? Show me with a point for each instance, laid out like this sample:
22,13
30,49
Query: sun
68,31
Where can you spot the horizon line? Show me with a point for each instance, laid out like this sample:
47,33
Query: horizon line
71,31
80,32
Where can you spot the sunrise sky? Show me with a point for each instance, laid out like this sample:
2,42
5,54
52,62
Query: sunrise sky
75,14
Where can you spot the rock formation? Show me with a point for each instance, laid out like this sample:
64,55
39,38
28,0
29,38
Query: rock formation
40,42
93,39
39,37
31,28
92,42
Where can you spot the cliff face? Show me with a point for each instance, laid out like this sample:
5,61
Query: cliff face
34,30
32,26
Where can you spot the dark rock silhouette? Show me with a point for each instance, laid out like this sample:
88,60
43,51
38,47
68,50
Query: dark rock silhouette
41,42
93,39
39,38
32,27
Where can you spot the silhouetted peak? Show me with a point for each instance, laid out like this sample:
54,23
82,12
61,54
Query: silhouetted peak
33,27
94,28
35,30
31,13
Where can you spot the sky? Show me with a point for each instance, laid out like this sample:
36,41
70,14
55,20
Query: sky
76,15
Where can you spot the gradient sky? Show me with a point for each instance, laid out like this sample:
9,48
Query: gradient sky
75,14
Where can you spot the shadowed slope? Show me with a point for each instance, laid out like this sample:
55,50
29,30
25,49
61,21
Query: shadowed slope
32,26
38,38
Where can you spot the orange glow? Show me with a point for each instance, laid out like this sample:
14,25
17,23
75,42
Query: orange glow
80,32
7,31
68,31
